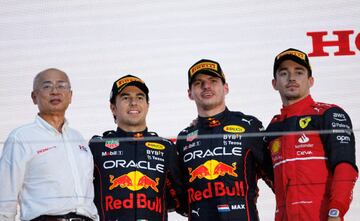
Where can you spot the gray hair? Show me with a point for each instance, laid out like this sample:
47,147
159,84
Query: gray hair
38,76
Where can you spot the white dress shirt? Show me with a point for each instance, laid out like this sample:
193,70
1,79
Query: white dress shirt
46,172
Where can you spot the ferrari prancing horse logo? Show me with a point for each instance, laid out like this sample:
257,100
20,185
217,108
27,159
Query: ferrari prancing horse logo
304,122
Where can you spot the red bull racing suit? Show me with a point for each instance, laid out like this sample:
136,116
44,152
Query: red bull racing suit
308,142
133,173
222,158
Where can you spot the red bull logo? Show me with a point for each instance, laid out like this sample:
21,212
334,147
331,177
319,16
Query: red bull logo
134,181
222,169
199,172
147,182
122,181
140,202
213,122
211,170
216,189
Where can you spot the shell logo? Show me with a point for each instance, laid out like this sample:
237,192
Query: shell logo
155,146
234,129
275,146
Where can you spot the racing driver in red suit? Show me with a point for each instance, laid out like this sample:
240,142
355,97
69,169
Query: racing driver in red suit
222,154
136,172
312,147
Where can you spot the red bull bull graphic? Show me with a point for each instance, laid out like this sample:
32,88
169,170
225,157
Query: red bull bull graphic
211,170
122,181
147,182
134,181
222,169
199,172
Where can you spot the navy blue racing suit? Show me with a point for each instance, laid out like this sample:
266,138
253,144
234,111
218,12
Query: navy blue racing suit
135,175
222,158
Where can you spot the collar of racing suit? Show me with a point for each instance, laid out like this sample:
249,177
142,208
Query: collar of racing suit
297,107
135,135
213,121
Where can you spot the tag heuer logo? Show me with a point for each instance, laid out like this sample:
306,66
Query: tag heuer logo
304,122
112,144
191,136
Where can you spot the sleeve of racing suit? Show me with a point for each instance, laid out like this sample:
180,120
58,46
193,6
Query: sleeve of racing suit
342,186
265,170
12,169
339,144
175,196
262,156
93,144
338,137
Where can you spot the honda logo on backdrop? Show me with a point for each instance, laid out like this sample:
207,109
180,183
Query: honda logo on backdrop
342,40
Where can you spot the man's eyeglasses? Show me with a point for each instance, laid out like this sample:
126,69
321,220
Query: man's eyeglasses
60,87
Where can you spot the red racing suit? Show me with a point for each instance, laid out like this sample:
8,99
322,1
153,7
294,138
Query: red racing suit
222,158
133,174
307,142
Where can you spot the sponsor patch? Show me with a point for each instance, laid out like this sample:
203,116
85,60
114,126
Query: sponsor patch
191,136
112,153
134,181
203,65
275,146
211,170
303,139
343,139
339,116
155,146
123,81
43,150
234,129
112,144
292,52
304,122
196,211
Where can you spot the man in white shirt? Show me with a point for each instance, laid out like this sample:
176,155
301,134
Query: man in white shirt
46,166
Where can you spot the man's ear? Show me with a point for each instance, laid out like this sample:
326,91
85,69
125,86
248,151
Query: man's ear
71,93
190,95
226,88
113,108
311,81
33,97
273,82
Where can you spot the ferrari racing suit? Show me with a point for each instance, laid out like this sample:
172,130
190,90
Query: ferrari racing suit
308,140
